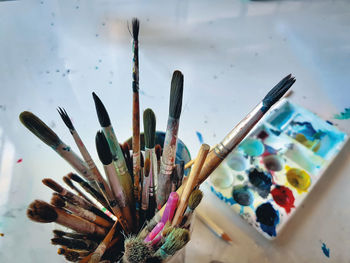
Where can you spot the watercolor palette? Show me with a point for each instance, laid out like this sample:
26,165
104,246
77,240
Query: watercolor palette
275,167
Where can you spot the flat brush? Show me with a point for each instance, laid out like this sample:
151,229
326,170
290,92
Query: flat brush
74,243
233,138
68,182
40,211
116,151
170,142
121,207
136,151
99,182
65,251
49,137
74,199
87,187
58,201
194,200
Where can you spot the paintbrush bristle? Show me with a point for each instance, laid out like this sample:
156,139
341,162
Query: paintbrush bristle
58,233
39,129
195,198
53,185
40,211
103,151
167,229
76,178
68,182
158,150
136,251
147,167
61,251
149,124
65,118
176,91
277,92
58,201
102,113
72,256
135,29
176,240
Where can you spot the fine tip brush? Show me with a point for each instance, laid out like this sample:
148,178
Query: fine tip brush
102,113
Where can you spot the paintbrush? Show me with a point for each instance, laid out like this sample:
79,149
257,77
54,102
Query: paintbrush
60,233
170,207
64,251
72,256
126,150
97,195
136,114
149,123
233,138
71,243
49,137
191,183
121,208
176,240
159,240
194,200
68,182
101,249
136,250
40,211
58,201
77,200
158,150
214,227
116,151
170,142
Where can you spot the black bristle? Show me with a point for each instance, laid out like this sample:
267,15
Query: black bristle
102,113
65,118
103,148
135,29
76,178
177,84
39,129
149,124
277,92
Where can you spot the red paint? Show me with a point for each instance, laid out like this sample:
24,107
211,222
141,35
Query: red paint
283,196
19,160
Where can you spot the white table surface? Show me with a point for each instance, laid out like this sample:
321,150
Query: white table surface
55,53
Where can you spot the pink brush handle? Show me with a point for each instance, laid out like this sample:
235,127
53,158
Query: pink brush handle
170,207
159,227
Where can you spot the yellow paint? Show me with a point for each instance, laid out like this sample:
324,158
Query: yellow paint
298,178
313,145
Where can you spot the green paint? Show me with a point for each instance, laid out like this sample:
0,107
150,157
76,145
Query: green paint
343,115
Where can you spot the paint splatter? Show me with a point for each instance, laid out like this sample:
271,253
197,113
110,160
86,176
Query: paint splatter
343,115
283,196
200,137
242,195
2,234
325,250
268,218
299,179
19,160
261,180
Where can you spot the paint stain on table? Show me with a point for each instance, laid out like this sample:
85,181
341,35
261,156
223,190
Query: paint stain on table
325,250
19,160
343,115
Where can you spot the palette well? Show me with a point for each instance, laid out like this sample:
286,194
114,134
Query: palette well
275,167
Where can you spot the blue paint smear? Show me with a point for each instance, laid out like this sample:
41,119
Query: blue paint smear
229,201
200,137
268,218
325,250
343,115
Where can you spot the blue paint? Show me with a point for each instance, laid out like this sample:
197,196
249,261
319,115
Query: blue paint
200,137
304,128
343,115
329,122
242,195
268,218
275,132
229,201
325,250
252,147
261,180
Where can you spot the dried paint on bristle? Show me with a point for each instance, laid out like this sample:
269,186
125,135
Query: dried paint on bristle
176,92
40,211
65,118
39,129
102,114
149,124
277,92
103,150
53,185
72,256
175,240
76,178
58,201
158,150
61,251
147,167
136,251
195,198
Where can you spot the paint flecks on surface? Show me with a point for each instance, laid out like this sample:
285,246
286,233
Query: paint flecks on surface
343,115
19,160
200,137
261,180
242,195
298,178
2,234
284,197
268,218
325,250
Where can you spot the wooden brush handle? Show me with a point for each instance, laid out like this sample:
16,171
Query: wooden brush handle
211,163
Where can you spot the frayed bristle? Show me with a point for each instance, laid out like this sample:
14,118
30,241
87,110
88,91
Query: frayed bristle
136,251
195,198
177,84
65,118
40,211
277,92
53,185
147,167
149,125
158,150
58,200
39,129
102,114
76,178
135,29
104,153
176,240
